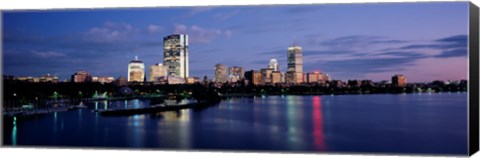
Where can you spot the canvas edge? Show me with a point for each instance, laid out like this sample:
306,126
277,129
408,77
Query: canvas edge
473,92
473,109
1,77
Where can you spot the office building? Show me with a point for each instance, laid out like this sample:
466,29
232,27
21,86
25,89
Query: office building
157,71
266,75
48,78
274,65
81,76
313,77
103,79
220,73
235,73
176,80
175,48
253,77
399,80
295,65
136,70
276,77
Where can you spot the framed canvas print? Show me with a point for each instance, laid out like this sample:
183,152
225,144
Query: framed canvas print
358,78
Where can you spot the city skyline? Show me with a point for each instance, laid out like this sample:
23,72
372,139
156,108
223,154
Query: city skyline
349,48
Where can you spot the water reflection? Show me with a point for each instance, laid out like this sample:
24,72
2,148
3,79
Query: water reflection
55,118
136,124
174,116
318,134
136,104
174,128
14,131
292,122
105,104
184,128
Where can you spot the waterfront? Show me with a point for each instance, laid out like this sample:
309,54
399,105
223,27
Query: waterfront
424,123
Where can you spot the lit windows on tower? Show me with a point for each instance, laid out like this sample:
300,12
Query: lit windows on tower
295,65
136,70
175,48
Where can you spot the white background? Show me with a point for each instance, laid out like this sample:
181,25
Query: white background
74,153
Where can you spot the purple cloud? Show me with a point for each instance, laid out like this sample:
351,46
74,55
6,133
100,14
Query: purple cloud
154,29
110,32
225,16
198,34
48,54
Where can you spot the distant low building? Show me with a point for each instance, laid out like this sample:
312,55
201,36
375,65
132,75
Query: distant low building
337,84
192,80
175,80
317,77
276,77
8,77
156,71
399,80
367,83
103,79
121,81
266,75
48,78
253,77
81,76
312,77
354,83
44,78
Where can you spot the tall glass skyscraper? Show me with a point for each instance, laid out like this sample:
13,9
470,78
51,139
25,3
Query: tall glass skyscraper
295,65
175,55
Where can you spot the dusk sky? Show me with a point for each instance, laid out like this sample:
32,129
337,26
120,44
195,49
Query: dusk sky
424,41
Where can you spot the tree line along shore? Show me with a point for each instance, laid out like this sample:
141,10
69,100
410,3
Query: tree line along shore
19,93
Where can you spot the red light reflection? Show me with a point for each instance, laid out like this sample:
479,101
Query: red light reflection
318,135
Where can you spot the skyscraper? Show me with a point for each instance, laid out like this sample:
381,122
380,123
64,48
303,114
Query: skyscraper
220,73
295,65
274,65
136,70
175,57
235,73
157,71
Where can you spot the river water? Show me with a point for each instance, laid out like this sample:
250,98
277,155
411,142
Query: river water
387,123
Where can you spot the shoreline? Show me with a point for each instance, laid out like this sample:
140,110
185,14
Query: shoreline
197,105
